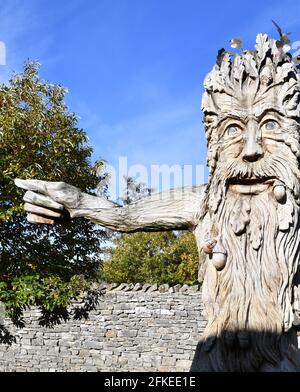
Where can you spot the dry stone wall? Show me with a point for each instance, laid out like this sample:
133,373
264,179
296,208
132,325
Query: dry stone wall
133,328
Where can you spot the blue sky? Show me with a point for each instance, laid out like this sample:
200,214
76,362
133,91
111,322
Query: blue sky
135,68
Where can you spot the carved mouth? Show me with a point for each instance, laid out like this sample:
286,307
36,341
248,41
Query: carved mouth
250,185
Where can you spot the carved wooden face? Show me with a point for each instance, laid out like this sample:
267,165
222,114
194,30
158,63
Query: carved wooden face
253,145
247,138
251,109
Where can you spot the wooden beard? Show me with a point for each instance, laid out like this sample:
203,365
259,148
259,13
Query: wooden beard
251,213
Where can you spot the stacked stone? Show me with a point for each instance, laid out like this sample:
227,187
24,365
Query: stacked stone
133,328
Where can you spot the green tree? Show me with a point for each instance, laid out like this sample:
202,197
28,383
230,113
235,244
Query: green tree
163,257
39,138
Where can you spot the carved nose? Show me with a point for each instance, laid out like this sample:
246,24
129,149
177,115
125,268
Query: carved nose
252,150
253,154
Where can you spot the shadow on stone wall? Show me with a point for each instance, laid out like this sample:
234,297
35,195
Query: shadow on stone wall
5,336
79,310
90,301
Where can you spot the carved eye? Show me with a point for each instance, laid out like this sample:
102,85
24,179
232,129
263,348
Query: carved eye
270,125
232,130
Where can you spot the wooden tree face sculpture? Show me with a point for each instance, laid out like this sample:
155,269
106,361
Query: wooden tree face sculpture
246,219
251,109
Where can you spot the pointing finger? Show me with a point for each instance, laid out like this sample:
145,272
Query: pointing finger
32,185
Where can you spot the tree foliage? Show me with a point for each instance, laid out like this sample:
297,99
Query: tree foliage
39,138
163,257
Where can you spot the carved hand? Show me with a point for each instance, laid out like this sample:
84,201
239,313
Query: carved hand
48,202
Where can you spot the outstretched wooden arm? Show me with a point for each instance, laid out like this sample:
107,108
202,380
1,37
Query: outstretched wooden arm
175,209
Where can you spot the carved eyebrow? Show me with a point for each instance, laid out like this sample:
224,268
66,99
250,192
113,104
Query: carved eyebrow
244,117
232,117
272,111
